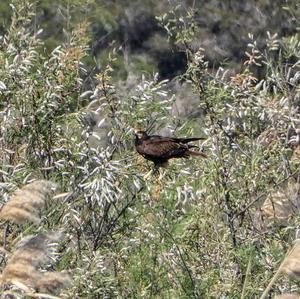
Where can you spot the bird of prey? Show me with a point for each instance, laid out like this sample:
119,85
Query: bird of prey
159,149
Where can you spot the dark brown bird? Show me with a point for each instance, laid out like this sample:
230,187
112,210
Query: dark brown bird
159,149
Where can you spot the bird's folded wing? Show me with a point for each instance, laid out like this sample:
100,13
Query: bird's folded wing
186,140
163,148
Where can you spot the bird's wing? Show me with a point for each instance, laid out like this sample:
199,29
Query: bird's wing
186,140
163,147
157,138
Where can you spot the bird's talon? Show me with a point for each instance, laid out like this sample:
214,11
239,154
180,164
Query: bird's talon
161,174
147,175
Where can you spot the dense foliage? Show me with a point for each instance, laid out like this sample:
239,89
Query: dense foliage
222,29
211,228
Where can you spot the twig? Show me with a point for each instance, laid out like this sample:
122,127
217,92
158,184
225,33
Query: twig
182,259
246,277
4,237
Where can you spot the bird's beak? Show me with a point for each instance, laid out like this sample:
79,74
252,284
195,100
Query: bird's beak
133,131
136,130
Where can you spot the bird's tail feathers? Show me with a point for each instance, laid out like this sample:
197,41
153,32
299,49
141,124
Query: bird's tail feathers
197,154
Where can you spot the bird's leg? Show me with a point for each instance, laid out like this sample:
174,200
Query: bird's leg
156,168
154,171
147,175
161,173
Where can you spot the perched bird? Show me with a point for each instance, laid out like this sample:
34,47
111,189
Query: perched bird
159,149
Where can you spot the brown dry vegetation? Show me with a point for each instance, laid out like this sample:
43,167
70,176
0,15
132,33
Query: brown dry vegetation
221,227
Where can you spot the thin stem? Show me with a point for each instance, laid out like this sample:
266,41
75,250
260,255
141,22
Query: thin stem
278,272
246,277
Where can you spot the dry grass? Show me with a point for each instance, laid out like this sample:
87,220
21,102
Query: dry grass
50,282
287,296
25,204
32,253
291,265
282,205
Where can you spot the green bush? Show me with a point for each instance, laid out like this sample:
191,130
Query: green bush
211,228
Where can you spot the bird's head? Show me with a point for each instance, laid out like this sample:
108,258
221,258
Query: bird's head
140,133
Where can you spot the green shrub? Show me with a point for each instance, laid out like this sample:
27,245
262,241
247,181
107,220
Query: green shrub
211,228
